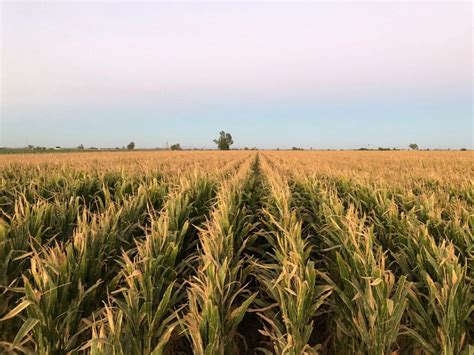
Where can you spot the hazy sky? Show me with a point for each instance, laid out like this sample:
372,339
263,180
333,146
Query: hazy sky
319,75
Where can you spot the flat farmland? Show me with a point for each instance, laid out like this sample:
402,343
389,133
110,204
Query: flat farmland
237,252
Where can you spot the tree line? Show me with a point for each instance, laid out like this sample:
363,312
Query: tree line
223,142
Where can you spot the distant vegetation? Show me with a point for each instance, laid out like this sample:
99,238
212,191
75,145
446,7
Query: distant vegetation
224,141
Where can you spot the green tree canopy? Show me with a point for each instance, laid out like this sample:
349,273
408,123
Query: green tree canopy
224,141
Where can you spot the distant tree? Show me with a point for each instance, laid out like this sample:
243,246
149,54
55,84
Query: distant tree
80,147
413,146
30,146
296,148
224,141
463,149
175,146
131,146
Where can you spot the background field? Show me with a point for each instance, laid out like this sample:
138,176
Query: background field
237,252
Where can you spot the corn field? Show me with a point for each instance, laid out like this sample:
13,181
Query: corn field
237,252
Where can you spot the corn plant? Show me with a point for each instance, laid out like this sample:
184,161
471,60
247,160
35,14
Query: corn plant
217,295
141,316
292,295
441,301
53,299
370,300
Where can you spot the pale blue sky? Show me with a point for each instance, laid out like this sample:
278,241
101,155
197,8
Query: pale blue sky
317,75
